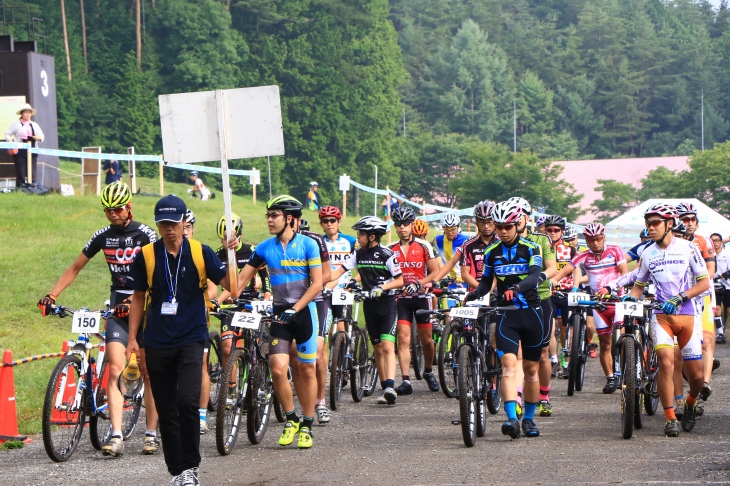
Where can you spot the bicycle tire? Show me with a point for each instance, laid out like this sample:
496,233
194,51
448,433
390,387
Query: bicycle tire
338,368
371,377
61,434
417,360
229,411
359,363
651,401
627,386
480,405
494,393
258,401
583,353
130,413
215,368
447,365
574,352
100,426
278,412
467,390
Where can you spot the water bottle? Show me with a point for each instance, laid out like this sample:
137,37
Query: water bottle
130,380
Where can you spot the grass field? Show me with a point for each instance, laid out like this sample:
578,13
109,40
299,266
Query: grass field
41,236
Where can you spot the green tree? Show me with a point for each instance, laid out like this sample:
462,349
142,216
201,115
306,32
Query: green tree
137,115
709,179
663,183
617,198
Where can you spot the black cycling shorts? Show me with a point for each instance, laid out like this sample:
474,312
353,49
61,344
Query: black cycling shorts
303,330
561,303
526,325
407,308
723,298
547,313
117,328
380,318
325,316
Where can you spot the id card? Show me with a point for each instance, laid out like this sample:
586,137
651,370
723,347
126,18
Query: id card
169,309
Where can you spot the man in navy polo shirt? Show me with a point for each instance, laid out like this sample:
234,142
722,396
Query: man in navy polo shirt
174,334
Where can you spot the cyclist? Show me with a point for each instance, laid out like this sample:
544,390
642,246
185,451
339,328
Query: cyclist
379,269
688,215
674,265
198,185
472,252
340,247
564,253
604,264
635,252
722,297
449,243
120,242
244,252
420,230
549,267
516,264
296,279
324,316
540,224
418,265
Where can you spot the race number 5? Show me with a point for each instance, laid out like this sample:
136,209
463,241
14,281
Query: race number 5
246,320
342,297
86,322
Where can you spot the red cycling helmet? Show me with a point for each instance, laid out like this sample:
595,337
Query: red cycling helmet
330,211
594,229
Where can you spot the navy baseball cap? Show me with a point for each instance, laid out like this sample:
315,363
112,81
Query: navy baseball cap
170,208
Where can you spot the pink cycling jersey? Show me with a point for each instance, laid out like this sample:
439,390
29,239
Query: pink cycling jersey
673,270
601,269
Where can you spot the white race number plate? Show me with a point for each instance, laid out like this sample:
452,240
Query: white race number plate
465,312
261,306
631,309
483,300
574,297
86,322
246,320
342,297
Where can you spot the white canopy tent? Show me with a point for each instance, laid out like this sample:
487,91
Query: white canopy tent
627,226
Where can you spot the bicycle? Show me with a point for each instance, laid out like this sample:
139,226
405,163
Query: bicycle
351,355
250,386
78,389
447,340
635,364
215,368
480,368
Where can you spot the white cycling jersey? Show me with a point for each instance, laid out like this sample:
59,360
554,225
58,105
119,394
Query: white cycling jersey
673,270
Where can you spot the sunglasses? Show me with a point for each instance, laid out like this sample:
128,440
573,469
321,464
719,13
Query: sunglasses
716,241
328,220
594,238
401,223
553,230
111,211
504,227
273,214
688,219
654,223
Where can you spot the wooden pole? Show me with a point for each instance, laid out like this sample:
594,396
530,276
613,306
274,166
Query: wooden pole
162,183
30,164
139,36
83,36
344,204
232,264
65,38
254,193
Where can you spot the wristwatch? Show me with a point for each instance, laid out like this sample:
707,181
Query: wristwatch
684,296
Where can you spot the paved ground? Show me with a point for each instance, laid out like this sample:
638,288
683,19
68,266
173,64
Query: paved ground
414,442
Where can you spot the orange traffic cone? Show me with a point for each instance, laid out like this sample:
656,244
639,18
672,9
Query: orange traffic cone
8,408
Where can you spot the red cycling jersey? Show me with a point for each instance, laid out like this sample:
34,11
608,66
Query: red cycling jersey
413,264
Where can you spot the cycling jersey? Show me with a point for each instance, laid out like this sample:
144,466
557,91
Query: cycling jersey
722,265
564,253
472,255
448,249
413,262
340,250
243,255
120,246
707,249
376,266
513,265
635,252
600,269
288,266
673,270
323,254
548,254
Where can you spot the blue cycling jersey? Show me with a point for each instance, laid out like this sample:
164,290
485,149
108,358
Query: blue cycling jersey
288,266
448,249
635,252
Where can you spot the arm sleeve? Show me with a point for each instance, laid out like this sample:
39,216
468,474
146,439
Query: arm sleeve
265,280
256,260
697,263
312,253
214,268
393,266
533,272
642,273
625,280
93,246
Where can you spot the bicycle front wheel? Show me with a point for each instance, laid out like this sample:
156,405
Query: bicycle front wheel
651,390
575,344
359,365
447,365
63,421
628,386
215,368
417,361
467,395
229,409
258,401
338,368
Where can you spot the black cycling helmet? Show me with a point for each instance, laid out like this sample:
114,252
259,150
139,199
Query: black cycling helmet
644,233
406,215
555,220
371,225
287,204
303,225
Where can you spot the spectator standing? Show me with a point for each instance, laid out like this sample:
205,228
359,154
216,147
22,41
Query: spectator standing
113,170
24,130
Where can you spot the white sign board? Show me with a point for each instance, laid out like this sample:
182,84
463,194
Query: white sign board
344,182
255,177
252,118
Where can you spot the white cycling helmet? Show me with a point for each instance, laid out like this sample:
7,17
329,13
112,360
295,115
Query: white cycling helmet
523,204
570,232
371,224
449,220
506,212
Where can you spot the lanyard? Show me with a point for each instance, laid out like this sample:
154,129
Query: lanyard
172,283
